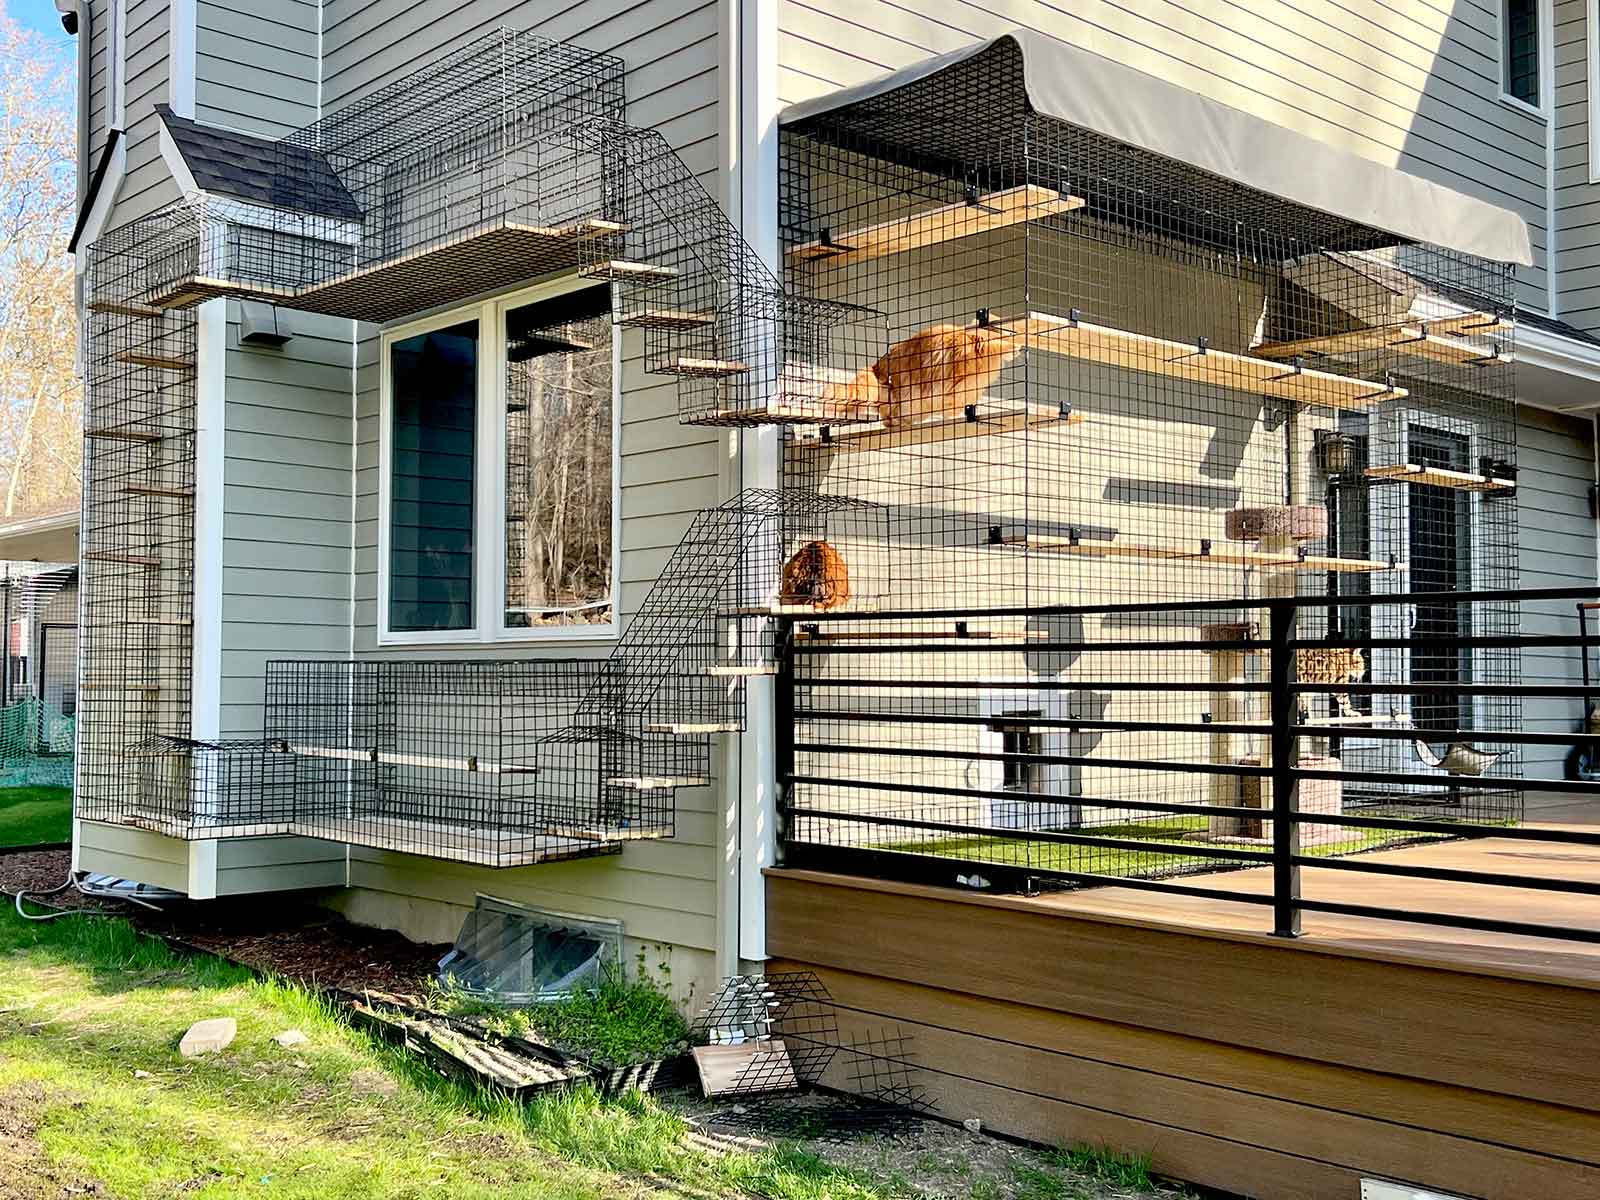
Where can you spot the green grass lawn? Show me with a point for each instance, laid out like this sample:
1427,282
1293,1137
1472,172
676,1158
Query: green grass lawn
1121,862
93,1094
30,815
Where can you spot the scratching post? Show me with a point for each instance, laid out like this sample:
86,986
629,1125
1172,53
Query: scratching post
1279,530
1228,707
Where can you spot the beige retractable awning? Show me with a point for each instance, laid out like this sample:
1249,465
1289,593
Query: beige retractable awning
1117,101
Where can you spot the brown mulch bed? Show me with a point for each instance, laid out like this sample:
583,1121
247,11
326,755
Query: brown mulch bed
288,937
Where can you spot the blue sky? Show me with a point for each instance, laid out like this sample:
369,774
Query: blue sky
40,16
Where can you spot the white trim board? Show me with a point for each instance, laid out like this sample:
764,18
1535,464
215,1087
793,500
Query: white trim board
181,16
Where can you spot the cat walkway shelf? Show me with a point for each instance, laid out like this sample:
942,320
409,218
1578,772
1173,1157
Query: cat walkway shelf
484,846
1440,341
1223,555
1463,481
1197,363
394,759
993,210
988,422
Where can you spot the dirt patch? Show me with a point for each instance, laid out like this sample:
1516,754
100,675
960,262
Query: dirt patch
26,1172
302,942
297,940
924,1157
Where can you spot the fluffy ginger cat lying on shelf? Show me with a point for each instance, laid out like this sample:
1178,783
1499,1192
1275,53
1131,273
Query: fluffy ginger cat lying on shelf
936,371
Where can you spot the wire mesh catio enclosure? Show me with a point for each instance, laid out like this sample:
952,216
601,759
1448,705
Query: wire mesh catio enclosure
1115,382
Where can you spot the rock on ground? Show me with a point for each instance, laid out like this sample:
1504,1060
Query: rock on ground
208,1037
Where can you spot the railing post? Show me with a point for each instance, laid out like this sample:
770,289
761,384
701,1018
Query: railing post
1283,706
783,726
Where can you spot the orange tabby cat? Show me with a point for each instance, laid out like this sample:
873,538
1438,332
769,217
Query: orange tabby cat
815,575
937,370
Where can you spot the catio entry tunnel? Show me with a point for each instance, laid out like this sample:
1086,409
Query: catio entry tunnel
1127,365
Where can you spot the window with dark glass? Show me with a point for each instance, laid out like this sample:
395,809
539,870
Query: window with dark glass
1520,34
558,519
433,423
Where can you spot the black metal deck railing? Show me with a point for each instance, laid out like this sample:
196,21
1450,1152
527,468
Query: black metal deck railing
1164,747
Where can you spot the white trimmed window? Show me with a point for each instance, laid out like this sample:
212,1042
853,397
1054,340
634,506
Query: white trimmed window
498,471
1521,50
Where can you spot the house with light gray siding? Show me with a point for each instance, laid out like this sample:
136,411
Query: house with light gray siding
296,551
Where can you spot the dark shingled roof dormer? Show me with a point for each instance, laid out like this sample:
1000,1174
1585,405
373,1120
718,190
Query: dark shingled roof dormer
260,170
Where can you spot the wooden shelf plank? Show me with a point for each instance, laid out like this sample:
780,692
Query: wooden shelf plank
159,621
127,560
193,289
694,727
730,671
651,783
989,423
484,845
666,318
624,270
1219,555
1439,477
391,758
1439,341
156,362
1181,360
994,210
122,308
123,434
139,489
708,368
122,687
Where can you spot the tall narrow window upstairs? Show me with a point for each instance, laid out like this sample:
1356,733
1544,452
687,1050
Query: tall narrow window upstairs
1519,37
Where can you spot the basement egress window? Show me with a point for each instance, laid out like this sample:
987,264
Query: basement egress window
498,477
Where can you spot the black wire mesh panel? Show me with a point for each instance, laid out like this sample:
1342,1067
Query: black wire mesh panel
137,546
1109,378
479,762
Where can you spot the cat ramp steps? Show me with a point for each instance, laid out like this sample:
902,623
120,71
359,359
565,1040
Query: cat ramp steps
979,213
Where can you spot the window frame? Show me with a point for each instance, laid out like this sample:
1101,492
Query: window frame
1591,83
489,487
1542,49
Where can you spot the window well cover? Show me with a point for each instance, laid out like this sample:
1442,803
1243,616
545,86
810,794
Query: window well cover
515,956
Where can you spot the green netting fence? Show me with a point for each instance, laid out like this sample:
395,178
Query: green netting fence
36,741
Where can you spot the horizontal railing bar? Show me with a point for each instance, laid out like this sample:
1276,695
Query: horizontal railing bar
1049,837
1071,724
1366,600
1167,807
981,646
1482,641
1451,920
1043,685
973,864
1364,864
1054,760
1410,733
1489,782
978,645
1519,833
1447,689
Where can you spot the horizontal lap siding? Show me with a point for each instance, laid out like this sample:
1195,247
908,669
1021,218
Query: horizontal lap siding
662,891
1412,85
256,65
1555,460
146,183
1577,201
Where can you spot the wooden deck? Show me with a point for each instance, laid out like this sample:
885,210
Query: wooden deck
1464,1062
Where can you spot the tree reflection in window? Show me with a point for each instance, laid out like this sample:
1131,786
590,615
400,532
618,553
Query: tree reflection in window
558,527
